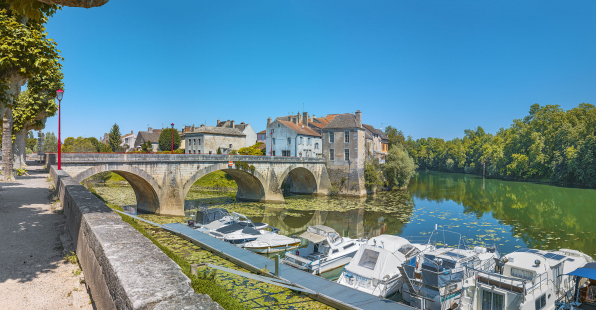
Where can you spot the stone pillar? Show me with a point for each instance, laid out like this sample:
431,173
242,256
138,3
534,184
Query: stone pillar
171,199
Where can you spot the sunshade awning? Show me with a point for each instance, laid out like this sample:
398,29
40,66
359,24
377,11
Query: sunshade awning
587,271
313,237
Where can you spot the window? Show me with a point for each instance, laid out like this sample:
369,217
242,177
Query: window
209,152
331,137
540,302
273,142
278,125
285,153
316,146
126,140
273,153
230,146
199,152
520,273
492,301
347,154
369,259
308,143
301,140
199,141
189,142
346,136
289,141
195,141
331,154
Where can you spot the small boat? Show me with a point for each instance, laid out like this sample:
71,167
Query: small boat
237,233
374,268
526,279
326,250
272,243
208,220
435,282
584,295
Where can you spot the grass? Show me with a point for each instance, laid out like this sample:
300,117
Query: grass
217,179
71,257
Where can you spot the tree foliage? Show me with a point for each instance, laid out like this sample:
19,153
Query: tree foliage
399,166
165,139
252,150
395,136
50,143
114,139
548,144
373,175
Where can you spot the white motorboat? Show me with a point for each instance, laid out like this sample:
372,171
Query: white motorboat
435,282
527,279
374,268
326,250
237,233
208,220
272,243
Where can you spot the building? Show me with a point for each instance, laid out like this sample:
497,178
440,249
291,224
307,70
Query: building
377,143
151,135
292,136
344,147
208,139
261,136
128,140
246,129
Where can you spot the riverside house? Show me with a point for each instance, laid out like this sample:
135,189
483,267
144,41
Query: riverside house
292,136
151,135
208,139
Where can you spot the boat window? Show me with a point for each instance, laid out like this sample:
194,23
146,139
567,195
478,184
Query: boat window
334,251
369,259
210,217
492,301
199,218
520,273
448,264
540,302
405,249
349,245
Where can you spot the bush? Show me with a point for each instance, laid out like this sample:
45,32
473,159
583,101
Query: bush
252,169
219,150
233,152
242,165
252,150
399,166
165,139
373,175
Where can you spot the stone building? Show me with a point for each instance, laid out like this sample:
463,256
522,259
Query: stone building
344,147
377,143
261,135
208,139
292,136
246,129
151,135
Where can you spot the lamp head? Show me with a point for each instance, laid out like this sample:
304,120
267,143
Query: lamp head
172,125
59,94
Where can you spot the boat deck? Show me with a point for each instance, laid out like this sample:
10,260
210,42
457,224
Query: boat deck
328,292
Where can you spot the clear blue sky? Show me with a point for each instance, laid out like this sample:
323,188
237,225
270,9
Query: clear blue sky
429,68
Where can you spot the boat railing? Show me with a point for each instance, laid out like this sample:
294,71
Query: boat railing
512,284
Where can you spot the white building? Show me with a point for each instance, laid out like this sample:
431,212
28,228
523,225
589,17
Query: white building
291,136
128,139
246,129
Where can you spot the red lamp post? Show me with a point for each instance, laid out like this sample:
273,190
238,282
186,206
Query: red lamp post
172,138
59,94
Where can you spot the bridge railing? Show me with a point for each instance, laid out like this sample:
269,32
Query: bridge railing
135,157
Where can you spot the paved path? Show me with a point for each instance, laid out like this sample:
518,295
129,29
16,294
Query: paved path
33,273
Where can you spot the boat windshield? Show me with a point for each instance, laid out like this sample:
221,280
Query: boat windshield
369,259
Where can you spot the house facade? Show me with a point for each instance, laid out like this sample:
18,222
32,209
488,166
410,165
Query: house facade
261,136
344,148
128,139
292,136
208,139
377,143
151,135
246,129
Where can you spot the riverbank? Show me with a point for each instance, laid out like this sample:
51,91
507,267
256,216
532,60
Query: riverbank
35,273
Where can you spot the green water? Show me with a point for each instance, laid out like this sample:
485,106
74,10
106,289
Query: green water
508,214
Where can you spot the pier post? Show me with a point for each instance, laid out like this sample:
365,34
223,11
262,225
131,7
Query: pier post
277,265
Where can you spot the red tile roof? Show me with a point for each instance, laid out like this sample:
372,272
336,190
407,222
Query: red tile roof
299,129
264,131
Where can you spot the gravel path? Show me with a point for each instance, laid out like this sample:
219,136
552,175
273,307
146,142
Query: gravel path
33,272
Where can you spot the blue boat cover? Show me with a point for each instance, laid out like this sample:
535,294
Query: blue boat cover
587,271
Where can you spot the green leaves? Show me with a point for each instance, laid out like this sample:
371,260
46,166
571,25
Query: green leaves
165,139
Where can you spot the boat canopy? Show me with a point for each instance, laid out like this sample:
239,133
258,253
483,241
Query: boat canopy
206,216
319,233
375,262
587,271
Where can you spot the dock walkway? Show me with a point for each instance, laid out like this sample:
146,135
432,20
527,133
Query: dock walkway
328,292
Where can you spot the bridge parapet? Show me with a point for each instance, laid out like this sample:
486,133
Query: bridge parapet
162,181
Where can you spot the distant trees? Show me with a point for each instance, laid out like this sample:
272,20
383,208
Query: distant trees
165,139
395,136
399,166
114,139
50,143
548,144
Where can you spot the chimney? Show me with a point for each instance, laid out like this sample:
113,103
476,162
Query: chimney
233,124
268,121
359,119
150,129
132,132
289,118
312,118
296,120
305,119
217,122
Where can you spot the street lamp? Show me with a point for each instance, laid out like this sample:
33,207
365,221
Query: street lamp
172,138
59,94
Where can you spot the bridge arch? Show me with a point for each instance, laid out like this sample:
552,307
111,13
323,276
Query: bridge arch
250,185
303,180
144,185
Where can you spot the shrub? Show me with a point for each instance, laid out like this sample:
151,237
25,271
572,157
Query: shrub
233,152
219,150
242,165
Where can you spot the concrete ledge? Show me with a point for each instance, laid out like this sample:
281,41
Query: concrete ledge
123,269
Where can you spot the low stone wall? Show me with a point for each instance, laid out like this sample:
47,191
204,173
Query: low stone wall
123,269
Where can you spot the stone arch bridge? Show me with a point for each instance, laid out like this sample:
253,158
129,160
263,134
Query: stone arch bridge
162,181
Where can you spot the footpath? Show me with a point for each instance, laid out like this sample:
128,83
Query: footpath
33,244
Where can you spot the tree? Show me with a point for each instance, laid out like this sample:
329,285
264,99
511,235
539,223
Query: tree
219,150
147,147
50,143
251,150
114,139
399,166
373,175
26,52
31,141
395,136
165,139
31,8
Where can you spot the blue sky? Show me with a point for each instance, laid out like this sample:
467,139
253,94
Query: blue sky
429,68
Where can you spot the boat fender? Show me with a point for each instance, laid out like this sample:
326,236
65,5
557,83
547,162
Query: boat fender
297,253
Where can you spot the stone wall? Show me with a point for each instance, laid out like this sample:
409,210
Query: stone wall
348,177
123,269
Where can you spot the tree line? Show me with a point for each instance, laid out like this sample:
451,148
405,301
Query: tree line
549,144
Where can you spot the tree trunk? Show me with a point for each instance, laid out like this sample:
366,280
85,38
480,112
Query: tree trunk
20,149
7,172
